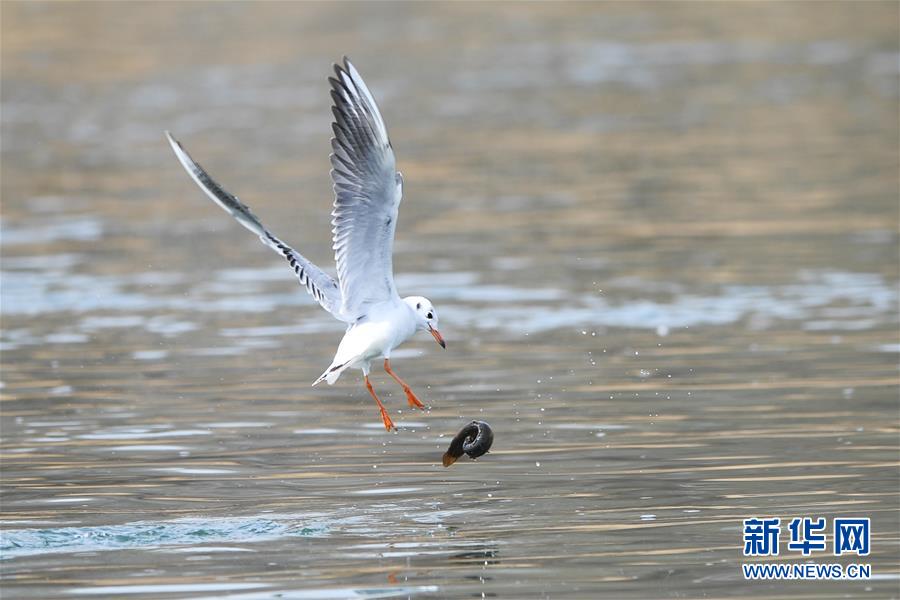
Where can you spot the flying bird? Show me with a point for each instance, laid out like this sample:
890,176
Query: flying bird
367,193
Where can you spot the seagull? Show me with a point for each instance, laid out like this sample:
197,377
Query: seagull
367,193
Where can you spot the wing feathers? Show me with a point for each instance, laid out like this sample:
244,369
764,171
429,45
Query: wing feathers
367,194
319,284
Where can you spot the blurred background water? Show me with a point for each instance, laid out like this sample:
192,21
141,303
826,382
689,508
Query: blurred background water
662,239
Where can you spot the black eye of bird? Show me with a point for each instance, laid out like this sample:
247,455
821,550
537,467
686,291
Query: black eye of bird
430,316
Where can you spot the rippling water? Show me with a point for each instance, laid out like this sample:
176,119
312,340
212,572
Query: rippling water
662,239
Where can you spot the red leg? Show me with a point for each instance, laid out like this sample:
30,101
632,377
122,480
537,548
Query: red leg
388,424
410,397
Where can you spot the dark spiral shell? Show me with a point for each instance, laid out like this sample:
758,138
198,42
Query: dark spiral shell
475,439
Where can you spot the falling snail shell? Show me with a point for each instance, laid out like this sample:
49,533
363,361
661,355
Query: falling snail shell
474,439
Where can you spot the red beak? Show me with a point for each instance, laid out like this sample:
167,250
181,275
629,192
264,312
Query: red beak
437,336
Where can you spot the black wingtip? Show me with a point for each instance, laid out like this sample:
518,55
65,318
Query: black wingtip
337,86
341,70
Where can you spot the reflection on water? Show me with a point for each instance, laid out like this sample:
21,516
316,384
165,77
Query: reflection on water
662,238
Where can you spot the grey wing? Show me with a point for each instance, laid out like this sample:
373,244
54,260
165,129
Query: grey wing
367,192
319,284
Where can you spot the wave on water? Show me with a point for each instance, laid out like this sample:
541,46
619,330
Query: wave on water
148,534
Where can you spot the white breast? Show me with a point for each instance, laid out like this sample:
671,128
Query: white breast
384,329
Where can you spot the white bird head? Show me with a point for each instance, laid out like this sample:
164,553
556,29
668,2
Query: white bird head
426,317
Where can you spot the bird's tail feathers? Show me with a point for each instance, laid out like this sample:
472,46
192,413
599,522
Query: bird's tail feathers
331,374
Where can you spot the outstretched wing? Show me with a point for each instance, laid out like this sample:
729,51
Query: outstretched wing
319,284
367,192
